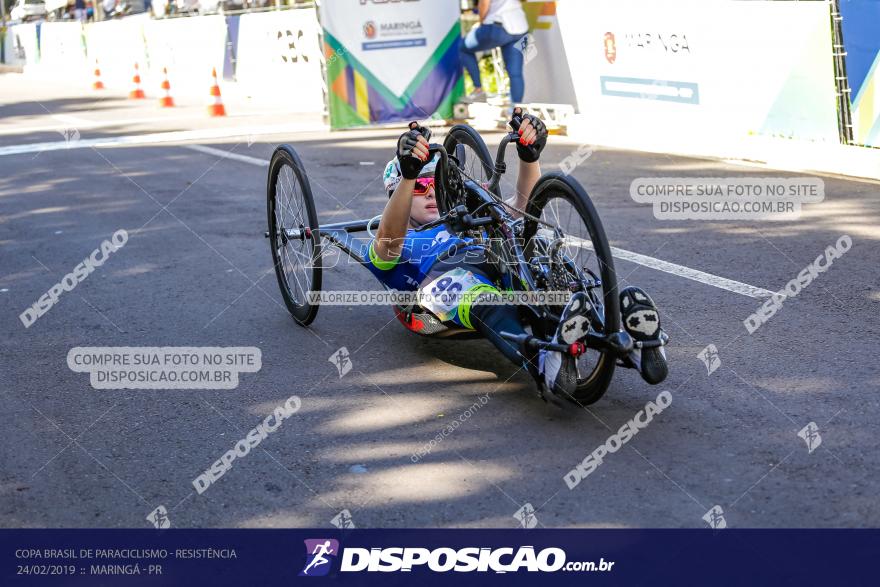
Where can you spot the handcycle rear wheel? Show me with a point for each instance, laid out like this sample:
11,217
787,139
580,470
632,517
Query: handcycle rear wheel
560,200
293,233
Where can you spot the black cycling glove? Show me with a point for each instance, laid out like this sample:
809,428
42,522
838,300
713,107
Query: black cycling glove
410,165
530,153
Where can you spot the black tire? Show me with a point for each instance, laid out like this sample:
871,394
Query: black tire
552,190
474,159
290,205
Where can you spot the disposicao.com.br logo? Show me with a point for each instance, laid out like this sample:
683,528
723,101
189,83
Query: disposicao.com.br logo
441,560
320,553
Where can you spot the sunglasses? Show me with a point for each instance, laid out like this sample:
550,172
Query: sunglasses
423,186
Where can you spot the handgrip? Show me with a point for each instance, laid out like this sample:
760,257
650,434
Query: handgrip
516,119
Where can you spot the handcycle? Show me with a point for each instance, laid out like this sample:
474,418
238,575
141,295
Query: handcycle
556,244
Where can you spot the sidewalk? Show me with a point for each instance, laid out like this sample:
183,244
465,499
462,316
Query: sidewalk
773,153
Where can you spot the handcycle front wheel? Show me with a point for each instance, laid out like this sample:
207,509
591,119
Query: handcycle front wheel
560,200
468,147
293,233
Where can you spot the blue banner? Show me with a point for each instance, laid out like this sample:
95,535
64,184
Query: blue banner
230,56
438,557
861,40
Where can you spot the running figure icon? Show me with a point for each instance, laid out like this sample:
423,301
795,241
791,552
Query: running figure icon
319,552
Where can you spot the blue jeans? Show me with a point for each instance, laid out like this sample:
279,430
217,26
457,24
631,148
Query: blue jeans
489,36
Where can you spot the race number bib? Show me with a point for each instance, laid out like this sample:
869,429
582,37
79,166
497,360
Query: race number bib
442,295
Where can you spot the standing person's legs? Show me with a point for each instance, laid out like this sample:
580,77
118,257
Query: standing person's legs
513,62
481,38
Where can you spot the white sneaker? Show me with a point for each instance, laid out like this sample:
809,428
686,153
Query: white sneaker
478,95
559,372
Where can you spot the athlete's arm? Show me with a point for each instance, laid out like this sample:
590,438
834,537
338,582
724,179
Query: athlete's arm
533,138
412,152
529,174
394,222
483,8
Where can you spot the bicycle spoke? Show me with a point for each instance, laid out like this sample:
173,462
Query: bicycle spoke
293,273
578,249
291,182
285,187
295,260
296,267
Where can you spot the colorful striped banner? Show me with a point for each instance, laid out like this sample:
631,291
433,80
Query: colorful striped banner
359,95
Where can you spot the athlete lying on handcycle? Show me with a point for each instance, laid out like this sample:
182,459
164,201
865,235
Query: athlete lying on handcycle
404,256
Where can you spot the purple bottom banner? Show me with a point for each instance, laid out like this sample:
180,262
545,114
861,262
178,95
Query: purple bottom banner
437,557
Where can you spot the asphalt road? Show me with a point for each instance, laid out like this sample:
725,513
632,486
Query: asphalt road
196,271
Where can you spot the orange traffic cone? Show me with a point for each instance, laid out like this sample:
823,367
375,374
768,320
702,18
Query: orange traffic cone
216,108
98,85
137,93
166,101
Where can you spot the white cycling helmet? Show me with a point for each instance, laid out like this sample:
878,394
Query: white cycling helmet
392,175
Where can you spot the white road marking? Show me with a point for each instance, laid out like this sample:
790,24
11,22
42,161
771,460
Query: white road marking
228,155
651,262
681,271
164,137
194,135
82,123
71,120
692,274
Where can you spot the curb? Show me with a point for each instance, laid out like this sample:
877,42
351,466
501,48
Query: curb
845,161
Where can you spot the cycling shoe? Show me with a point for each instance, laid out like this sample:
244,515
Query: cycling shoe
559,370
642,321
575,320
